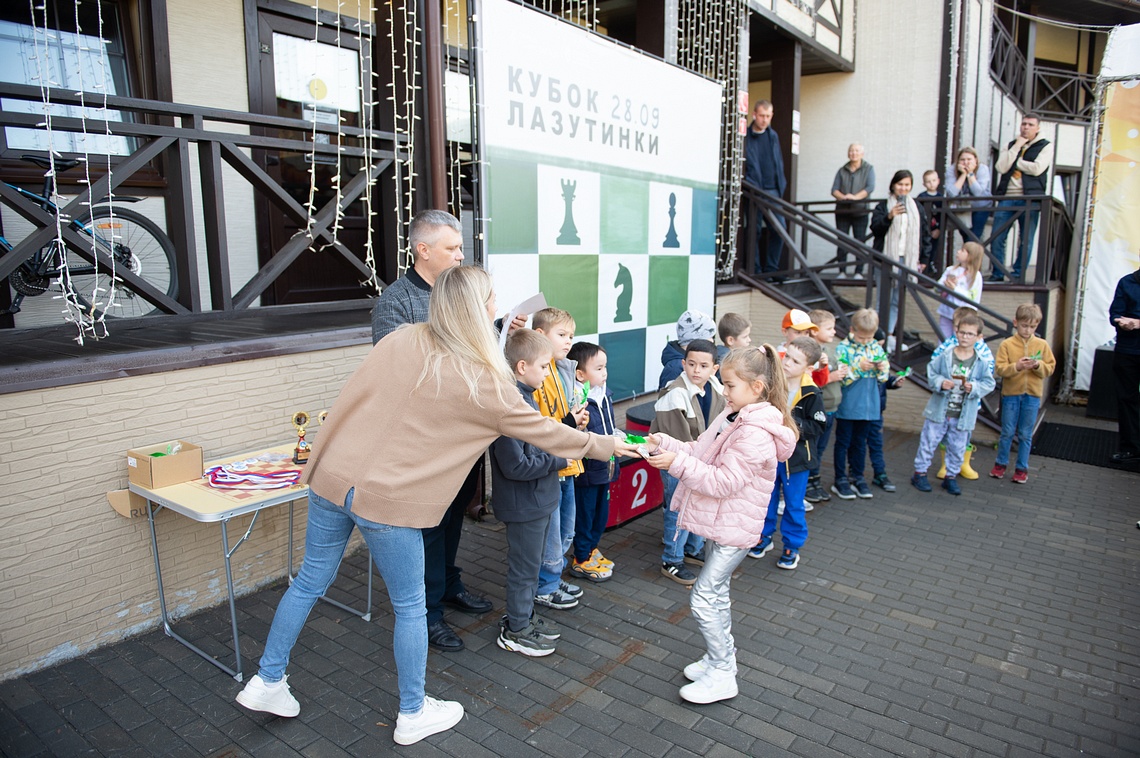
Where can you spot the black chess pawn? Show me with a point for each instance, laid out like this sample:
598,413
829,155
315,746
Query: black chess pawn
671,236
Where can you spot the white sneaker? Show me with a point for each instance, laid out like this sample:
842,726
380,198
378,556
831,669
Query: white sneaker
780,508
891,343
713,686
436,716
697,669
808,507
271,698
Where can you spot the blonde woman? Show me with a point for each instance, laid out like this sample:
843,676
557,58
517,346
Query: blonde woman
397,444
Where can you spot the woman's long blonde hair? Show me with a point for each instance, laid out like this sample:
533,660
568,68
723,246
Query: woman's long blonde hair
763,363
459,329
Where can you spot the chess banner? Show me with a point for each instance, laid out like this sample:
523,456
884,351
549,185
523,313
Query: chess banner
600,183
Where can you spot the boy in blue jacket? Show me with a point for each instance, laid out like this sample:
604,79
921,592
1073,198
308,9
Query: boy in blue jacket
959,379
592,486
868,367
525,491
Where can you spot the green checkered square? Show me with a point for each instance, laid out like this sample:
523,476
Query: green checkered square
570,282
668,288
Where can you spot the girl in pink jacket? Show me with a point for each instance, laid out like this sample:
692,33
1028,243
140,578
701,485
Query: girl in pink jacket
726,479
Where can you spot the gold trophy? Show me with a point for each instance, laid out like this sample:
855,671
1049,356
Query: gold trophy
301,452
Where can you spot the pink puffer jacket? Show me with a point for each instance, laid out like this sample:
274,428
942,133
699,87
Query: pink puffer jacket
726,481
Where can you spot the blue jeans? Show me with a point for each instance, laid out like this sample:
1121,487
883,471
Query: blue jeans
1018,414
793,524
875,447
821,444
399,555
683,542
559,536
593,511
1026,225
769,260
850,438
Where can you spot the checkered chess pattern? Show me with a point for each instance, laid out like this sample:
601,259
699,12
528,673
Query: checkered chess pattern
639,250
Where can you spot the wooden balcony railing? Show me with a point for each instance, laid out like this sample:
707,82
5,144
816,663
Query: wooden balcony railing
164,131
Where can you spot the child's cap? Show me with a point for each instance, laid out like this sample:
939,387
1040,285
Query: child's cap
798,320
694,325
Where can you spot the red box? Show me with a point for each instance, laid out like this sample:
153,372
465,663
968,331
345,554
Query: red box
637,491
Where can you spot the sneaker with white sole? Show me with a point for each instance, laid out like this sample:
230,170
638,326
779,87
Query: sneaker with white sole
546,629
275,698
697,669
572,590
527,641
789,559
714,686
435,717
761,549
557,600
679,573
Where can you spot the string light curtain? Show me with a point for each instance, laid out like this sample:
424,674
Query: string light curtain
709,42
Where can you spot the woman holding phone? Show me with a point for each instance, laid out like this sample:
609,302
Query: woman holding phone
902,234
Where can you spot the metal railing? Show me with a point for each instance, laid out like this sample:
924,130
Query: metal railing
1053,238
161,131
806,228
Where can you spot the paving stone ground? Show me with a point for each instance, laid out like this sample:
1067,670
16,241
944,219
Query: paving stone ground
1000,623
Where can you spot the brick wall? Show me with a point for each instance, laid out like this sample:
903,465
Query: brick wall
74,574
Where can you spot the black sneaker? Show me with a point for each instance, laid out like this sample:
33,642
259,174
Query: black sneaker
527,641
696,559
883,482
844,490
678,573
815,494
863,490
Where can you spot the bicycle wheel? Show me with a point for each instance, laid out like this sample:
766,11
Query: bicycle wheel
137,244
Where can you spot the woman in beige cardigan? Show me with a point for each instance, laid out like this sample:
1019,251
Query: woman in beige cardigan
400,438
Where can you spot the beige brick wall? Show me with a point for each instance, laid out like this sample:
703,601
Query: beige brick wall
74,574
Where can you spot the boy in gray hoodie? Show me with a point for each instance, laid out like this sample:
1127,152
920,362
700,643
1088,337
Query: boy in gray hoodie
525,491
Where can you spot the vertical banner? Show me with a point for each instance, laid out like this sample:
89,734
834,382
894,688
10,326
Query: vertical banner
601,183
1114,239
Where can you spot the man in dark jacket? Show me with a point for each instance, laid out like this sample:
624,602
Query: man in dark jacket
1024,170
764,169
1124,313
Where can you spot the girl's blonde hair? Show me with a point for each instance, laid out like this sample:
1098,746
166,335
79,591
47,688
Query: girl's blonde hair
458,329
974,257
763,363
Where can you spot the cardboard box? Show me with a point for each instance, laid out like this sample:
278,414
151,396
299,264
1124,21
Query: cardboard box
152,472
127,504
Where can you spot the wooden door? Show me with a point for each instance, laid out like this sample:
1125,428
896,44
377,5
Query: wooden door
305,74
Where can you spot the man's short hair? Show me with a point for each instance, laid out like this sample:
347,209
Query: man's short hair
819,317
1032,117
865,320
809,347
584,352
732,325
526,345
761,104
701,346
1028,312
548,318
961,311
970,319
426,224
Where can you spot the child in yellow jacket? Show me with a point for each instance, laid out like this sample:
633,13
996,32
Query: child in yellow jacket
1023,361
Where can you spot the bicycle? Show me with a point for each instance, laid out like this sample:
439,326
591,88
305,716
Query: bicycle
132,241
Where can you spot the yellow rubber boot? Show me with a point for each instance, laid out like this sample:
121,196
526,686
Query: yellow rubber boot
942,471
967,472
